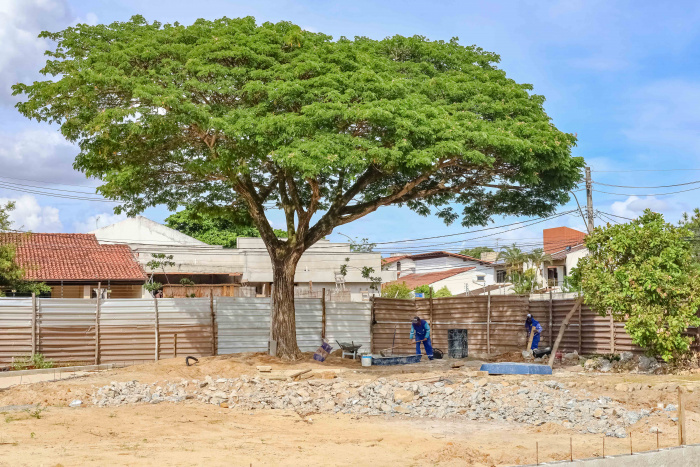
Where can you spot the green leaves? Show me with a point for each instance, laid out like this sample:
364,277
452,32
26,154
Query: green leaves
644,272
216,113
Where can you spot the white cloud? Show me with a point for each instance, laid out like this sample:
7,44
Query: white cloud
98,221
633,206
40,154
22,53
29,215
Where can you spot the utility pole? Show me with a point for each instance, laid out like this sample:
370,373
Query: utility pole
589,199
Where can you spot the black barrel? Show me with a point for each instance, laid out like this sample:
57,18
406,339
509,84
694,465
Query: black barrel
457,343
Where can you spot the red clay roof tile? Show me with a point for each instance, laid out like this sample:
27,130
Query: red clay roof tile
72,257
415,280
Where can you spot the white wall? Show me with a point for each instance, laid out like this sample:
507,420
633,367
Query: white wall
318,264
458,283
573,257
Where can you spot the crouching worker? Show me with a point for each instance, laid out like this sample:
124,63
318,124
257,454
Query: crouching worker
529,323
420,331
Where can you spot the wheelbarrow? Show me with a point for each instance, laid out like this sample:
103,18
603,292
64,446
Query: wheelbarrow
349,349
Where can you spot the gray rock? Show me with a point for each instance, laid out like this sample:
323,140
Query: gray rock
626,356
647,363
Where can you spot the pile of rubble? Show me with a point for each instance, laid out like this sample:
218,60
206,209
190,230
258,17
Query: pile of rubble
530,402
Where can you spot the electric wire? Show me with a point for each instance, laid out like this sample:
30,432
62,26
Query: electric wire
657,186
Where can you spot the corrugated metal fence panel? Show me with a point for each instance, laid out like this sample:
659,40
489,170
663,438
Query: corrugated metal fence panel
540,311
190,319
349,322
127,330
309,322
595,330
66,329
560,308
457,313
15,328
243,324
392,318
508,314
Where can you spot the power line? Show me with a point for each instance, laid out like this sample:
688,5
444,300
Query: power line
54,195
657,186
615,215
652,194
644,170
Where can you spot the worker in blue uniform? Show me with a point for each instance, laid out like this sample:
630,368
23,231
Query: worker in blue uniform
420,331
529,323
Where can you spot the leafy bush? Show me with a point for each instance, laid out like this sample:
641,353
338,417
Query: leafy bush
31,362
396,290
424,289
443,292
644,272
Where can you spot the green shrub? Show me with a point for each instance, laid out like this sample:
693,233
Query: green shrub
32,361
396,290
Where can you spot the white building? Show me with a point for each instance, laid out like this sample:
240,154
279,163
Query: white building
459,273
248,264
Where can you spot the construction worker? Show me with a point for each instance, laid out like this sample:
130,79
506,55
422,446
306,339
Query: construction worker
420,331
529,323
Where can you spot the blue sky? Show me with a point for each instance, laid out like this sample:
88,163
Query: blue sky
623,75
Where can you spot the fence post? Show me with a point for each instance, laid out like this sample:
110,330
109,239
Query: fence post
580,330
323,314
682,434
214,330
371,325
551,319
157,328
430,309
33,323
612,333
488,323
97,324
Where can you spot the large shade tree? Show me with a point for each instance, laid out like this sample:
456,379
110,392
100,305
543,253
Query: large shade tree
231,114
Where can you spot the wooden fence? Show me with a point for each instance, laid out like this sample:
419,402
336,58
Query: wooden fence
496,324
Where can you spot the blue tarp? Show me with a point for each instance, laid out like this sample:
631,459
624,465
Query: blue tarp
508,368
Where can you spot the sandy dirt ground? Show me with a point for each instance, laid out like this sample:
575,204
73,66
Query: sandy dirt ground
191,433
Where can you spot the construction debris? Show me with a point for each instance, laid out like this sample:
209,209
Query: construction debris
530,402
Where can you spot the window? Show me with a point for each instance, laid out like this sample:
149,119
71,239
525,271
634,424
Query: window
500,276
481,277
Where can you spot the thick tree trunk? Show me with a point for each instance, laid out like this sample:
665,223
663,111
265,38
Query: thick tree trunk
283,319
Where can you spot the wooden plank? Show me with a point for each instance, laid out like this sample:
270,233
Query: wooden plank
562,328
682,433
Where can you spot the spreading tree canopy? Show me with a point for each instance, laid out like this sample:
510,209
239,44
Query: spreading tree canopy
644,272
232,114
221,228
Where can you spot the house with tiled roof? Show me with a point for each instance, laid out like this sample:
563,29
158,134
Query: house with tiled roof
460,273
565,246
74,264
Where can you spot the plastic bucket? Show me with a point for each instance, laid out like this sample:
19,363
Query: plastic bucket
366,360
